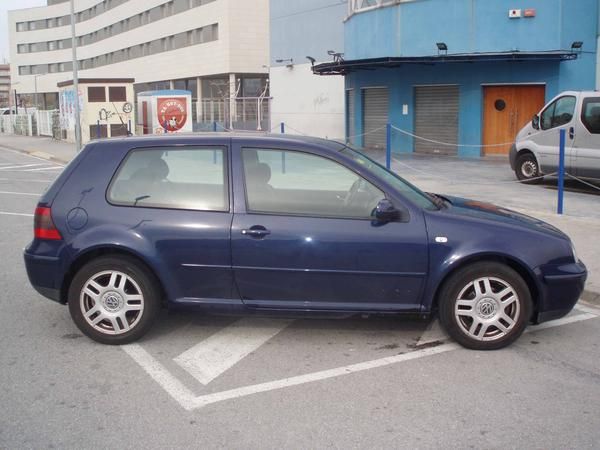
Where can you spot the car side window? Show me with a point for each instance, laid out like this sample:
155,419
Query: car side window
298,183
180,178
558,113
590,114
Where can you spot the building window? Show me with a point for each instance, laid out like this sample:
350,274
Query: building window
22,26
96,94
98,132
118,129
117,94
23,48
24,70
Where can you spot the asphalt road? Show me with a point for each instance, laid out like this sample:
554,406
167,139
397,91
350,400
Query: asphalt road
208,382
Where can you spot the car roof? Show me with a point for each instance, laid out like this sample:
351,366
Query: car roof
198,138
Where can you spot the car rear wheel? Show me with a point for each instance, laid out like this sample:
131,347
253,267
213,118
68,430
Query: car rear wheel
485,306
114,300
527,169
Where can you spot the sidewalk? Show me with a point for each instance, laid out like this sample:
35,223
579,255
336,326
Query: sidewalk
489,179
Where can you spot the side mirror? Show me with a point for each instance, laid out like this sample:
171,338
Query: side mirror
535,122
385,211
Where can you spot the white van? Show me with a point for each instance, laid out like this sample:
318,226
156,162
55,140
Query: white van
535,151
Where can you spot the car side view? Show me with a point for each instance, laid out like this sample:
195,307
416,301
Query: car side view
248,223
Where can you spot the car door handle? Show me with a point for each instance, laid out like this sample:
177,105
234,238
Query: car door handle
571,133
256,231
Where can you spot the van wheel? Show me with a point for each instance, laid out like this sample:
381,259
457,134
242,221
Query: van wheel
527,169
485,306
114,300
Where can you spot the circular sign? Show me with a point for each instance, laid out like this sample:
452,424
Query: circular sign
127,108
172,113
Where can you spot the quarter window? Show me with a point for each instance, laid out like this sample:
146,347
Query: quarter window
179,178
296,183
590,115
559,113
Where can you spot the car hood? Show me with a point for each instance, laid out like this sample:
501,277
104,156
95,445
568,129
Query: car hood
487,211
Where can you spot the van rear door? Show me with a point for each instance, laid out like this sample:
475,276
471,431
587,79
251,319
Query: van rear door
587,138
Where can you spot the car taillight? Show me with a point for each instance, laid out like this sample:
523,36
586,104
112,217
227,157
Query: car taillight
43,226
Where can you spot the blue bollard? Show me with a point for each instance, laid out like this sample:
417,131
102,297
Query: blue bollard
282,126
561,170
388,146
215,127
98,129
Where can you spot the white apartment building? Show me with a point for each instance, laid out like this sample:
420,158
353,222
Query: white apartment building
214,48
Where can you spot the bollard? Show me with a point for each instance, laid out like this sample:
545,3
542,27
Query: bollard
388,146
165,127
561,171
215,127
98,129
129,128
282,126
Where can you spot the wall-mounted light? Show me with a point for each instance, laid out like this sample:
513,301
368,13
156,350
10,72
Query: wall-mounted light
289,61
312,60
577,45
442,47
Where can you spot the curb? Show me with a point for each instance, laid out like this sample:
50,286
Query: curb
591,297
37,154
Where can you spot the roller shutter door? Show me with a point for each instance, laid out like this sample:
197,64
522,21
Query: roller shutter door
375,115
350,116
436,118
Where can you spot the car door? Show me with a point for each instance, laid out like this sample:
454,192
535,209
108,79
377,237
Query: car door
587,139
558,114
304,237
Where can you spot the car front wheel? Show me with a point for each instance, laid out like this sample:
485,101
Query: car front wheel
114,300
527,169
485,306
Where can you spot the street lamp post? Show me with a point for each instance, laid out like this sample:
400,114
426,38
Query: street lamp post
75,80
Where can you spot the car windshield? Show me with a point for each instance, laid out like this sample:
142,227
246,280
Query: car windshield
401,185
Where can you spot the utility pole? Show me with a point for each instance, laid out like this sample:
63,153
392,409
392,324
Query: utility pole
75,80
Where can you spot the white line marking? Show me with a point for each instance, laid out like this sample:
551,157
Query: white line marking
587,309
20,193
161,375
210,358
43,168
49,180
15,214
23,154
188,401
20,166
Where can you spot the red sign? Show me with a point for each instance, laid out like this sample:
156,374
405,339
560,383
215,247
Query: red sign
172,113
529,13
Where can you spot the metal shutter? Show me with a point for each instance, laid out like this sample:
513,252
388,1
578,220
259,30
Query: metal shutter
375,115
350,116
436,117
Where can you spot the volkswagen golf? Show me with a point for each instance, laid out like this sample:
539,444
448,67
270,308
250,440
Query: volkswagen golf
241,223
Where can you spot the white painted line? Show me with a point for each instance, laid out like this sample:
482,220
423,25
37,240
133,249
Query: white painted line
20,166
49,180
587,309
20,193
15,214
188,401
44,168
210,358
433,333
22,153
161,375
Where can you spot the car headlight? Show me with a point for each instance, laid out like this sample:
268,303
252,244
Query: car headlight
574,252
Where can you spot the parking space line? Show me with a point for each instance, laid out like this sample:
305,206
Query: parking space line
221,351
20,166
20,193
40,169
188,401
4,213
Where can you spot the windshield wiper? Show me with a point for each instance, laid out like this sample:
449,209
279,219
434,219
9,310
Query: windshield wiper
141,197
438,200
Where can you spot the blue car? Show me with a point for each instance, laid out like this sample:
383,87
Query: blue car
237,223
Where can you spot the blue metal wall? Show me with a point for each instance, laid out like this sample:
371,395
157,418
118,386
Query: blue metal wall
468,26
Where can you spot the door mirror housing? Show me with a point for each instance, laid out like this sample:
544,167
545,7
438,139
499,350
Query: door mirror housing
535,122
385,211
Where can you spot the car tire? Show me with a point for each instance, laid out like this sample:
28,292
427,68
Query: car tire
485,306
114,300
527,169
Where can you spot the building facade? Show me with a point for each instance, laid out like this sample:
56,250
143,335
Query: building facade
4,85
305,103
462,76
217,49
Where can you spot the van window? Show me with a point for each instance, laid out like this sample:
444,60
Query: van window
558,113
590,114
180,178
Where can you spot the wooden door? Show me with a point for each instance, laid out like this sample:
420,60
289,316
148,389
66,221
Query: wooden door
506,109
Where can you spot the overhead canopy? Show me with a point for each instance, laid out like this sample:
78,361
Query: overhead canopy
342,67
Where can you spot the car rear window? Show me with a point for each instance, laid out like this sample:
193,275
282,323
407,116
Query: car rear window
180,178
